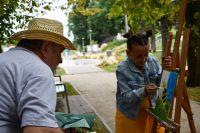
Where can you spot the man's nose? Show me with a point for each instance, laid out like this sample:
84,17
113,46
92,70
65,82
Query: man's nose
145,59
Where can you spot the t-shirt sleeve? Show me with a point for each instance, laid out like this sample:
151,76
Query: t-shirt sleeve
36,105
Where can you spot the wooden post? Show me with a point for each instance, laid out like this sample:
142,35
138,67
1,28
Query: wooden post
181,79
167,51
175,61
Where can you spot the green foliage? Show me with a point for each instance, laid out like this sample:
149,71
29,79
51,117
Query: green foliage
79,28
7,8
143,14
15,14
82,6
102,28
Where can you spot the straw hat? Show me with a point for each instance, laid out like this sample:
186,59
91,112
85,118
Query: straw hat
45,29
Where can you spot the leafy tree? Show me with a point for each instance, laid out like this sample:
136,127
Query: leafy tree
193,20
92,15
78,22
143,15
104,28
15,14
79,26
83,7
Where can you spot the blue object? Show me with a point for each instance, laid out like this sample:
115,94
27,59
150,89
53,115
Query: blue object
66,120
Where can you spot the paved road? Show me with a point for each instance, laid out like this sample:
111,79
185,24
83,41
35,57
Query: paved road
98,88
81,66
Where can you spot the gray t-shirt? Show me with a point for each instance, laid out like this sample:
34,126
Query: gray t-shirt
27,91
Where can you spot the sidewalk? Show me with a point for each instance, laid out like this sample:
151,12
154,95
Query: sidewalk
99,88
99,92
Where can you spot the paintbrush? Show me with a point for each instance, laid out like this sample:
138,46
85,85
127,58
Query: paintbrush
142,85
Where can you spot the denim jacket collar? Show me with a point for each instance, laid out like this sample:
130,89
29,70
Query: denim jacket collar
134,68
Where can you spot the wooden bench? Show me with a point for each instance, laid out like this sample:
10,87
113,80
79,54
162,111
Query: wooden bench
62,90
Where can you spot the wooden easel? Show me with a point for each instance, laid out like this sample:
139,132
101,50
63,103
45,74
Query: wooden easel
181,96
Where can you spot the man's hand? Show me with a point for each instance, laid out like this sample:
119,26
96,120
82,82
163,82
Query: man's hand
167,62
150,89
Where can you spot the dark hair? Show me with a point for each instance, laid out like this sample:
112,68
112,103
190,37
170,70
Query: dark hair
33,45
137,39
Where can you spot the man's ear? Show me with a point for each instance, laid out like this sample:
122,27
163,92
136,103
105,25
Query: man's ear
45,49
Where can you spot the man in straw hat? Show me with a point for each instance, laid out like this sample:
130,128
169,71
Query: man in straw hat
27,89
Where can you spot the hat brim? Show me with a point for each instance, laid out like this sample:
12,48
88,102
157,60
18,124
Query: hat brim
44,35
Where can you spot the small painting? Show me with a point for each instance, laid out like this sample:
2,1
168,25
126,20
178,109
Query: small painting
165,94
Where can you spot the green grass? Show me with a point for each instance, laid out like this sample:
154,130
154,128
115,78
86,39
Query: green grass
109,68
194,93
60,71
70,89
98,127
111,45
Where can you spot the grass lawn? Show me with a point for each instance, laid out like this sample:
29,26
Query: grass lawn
60,71
194,93
111,45
98,127
70,89
109,68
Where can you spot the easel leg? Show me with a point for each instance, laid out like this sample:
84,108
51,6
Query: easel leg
186,106
154,127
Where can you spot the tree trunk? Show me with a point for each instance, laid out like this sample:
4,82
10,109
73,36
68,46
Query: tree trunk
193,60
164,32
193,19
153,40
1,50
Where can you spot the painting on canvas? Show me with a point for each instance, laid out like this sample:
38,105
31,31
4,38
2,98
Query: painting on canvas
165,93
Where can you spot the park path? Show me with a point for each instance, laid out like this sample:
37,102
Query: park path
98,88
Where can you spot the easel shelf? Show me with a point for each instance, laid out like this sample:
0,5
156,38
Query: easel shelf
169,125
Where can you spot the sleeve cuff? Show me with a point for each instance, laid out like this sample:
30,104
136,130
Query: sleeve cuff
140,92
40,123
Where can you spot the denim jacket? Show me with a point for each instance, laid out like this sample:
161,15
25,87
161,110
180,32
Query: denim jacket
130,81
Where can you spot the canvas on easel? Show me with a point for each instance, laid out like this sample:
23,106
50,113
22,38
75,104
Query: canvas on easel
165,94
